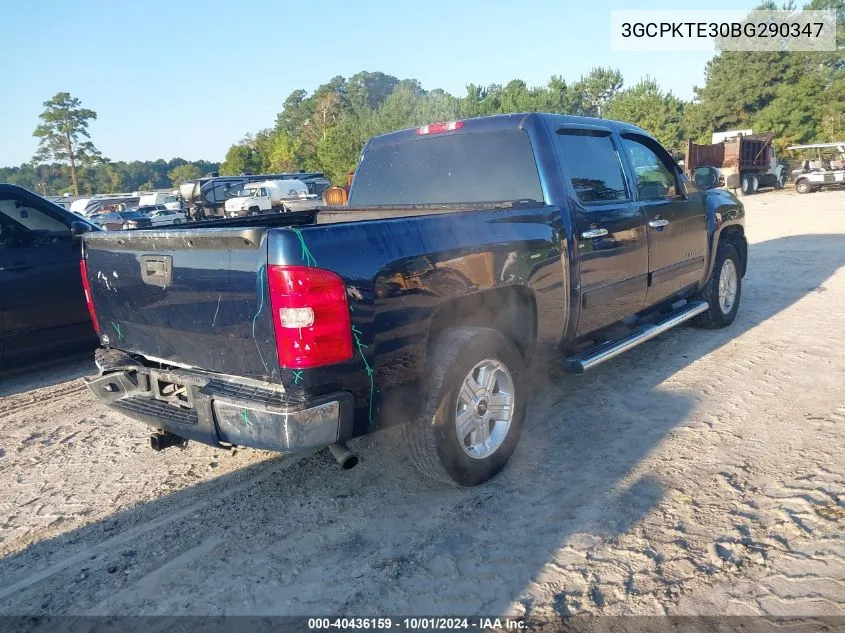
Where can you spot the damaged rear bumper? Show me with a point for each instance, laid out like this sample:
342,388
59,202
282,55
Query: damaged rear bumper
219,411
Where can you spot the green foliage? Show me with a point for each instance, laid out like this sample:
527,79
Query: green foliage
62,135
54,179
648,107
242,158
794,114
596,90
338,151
183,173
796,95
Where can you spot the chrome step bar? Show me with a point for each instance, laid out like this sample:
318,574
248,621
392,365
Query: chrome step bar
640,334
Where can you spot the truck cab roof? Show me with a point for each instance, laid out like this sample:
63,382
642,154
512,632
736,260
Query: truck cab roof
508,121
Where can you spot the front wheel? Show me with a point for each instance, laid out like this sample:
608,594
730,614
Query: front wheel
723,290
803,186
474,407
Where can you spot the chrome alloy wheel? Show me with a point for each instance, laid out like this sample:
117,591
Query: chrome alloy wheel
484,409
727,286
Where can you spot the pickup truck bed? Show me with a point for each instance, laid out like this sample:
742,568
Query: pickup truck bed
419,302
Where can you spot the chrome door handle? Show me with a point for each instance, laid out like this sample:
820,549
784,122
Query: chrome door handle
593,233
657,223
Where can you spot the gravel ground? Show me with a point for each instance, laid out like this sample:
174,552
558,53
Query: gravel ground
701,473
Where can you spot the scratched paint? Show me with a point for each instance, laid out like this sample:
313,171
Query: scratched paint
262,274
214,320
104,279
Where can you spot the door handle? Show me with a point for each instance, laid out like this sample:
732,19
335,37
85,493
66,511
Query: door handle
593,233
658,223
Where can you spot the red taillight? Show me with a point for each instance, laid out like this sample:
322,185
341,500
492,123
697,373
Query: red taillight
436,128
83,267
310,316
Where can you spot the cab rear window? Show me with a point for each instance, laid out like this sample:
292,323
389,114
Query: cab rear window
449,169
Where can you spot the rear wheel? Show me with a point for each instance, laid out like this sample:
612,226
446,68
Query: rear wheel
474,408
749,183
723,290
254,211
803,186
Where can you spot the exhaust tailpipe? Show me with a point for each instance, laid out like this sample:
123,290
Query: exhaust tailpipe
165,439
344,456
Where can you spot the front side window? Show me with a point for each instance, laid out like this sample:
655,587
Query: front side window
593,165
655,179
21,223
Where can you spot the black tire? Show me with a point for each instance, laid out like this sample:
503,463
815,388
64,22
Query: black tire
802,185
714,318
780,182
432,438
749,184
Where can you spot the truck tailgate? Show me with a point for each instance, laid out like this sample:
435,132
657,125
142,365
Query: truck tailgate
191,297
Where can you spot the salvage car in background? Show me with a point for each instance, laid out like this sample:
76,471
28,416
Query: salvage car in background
42,302
118,220
160,217
157,214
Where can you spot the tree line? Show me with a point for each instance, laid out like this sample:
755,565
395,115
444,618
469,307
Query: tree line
107,177
798,96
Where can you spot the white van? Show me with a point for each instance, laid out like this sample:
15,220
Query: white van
169,200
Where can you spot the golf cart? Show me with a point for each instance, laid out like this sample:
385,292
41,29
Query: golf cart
827,170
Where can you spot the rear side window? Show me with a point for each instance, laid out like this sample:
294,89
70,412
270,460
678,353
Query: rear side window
593,165
449,169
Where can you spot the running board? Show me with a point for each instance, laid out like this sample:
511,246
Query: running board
640,334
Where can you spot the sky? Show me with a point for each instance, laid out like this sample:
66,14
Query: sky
187,78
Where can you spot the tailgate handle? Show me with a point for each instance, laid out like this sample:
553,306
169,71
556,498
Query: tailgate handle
156,270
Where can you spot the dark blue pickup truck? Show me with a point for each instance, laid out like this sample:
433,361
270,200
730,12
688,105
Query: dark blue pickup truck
467,250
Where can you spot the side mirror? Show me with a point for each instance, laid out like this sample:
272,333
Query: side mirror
706,177
79,228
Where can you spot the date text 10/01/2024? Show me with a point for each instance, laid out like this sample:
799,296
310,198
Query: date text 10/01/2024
417,623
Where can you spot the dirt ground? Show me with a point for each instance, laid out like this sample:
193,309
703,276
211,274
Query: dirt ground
701,473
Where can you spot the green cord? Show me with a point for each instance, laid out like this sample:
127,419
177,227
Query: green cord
306,254
116,327
297,376
245,417
361,347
